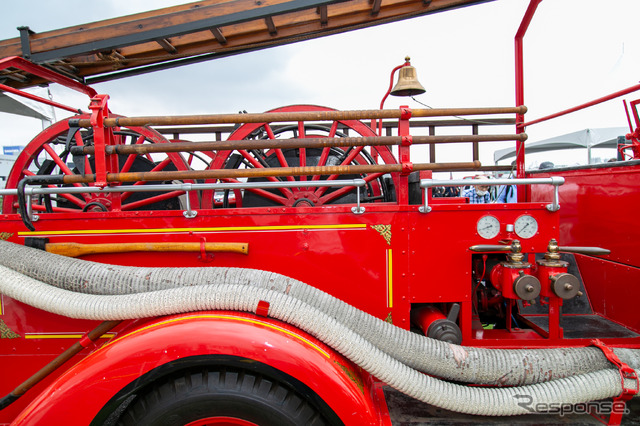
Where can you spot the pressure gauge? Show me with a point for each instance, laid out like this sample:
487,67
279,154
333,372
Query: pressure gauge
488,227
526,226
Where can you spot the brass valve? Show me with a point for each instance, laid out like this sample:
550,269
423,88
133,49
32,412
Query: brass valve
515,255
565,286
552,256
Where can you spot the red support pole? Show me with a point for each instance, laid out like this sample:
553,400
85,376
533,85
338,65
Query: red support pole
32,97
519,66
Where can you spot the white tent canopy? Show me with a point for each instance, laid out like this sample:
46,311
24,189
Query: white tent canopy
14,104
606,137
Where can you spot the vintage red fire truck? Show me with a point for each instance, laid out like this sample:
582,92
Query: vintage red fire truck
300,269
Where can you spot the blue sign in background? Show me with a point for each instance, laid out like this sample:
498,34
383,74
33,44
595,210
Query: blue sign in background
12,149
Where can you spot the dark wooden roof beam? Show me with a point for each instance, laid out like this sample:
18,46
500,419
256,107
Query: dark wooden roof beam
66,66
16,77
218,35
324,16
166,45
273,31
151,29
375,8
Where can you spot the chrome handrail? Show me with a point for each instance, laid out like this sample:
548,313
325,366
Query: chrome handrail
556,181
186,187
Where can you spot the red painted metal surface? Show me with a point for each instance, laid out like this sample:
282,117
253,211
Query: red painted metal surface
598,208
519,76
147,345
46,73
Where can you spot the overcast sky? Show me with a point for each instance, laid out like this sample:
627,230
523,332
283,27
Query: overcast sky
575,51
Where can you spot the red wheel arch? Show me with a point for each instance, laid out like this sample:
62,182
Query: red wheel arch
92,382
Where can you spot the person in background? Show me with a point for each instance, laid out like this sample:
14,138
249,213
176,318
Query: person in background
507,194
477,194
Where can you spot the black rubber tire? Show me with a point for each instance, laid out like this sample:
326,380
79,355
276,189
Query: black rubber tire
225,392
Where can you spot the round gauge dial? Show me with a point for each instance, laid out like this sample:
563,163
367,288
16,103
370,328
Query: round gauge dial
488,227
526,226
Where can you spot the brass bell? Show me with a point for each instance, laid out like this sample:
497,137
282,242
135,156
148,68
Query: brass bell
408,84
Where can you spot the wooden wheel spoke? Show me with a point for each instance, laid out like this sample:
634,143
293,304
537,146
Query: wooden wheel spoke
352,155
261,192
323,160
128,163
72,198
269,130
255,163
41,208
279,154
147,201
302,151
75,200
342,191
56,159
132,157
333,130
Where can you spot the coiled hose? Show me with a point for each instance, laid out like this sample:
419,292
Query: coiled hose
441,359
471,400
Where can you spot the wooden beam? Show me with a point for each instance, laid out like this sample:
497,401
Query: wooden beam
166,45
195,22
375,8
324,17
218,35
271,27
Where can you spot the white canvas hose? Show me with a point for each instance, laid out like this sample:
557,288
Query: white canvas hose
471,400
449,361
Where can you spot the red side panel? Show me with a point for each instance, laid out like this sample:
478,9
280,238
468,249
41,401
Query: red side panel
599,207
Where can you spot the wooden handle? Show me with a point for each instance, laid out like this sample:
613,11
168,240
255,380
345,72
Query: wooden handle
77,249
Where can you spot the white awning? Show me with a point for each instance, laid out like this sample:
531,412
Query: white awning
606,137
14,104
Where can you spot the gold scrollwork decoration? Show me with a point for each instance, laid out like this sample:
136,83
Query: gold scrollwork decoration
5,235
6,332
385,231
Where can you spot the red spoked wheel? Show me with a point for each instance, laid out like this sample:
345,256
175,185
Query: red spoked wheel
48,154
378,188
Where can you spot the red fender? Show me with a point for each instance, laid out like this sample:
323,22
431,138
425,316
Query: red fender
82,391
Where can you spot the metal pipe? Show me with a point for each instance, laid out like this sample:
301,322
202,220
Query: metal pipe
32,97
269,117
230,145
519,68
272,171
427,183
183,187
65,356
556,181
583,106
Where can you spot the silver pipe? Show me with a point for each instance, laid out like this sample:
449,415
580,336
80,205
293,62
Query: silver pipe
556,181
186,187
